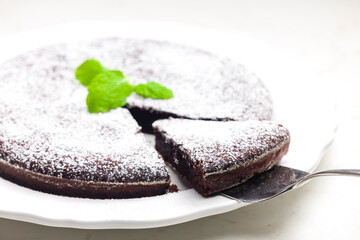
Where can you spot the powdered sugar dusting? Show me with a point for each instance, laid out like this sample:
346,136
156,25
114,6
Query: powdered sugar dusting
205,86
45,126
216,146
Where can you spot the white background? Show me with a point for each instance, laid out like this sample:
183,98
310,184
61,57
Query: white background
324,37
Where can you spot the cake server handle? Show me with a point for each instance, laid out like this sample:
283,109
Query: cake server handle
277,181
332,172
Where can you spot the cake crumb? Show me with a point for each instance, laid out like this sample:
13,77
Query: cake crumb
173,188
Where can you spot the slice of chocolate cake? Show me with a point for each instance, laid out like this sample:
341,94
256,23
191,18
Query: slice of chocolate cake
218,155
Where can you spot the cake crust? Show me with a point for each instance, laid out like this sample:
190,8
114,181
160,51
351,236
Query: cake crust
78,188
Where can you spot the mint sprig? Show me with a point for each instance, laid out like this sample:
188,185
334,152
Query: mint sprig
109,89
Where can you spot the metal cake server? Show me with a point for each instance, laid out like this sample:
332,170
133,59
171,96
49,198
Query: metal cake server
276,181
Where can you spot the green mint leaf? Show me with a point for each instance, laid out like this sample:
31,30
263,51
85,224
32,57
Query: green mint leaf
108,90
88,70
153,90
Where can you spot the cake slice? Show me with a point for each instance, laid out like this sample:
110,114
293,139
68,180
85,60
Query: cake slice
215,156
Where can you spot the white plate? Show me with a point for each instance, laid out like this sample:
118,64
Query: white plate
301,104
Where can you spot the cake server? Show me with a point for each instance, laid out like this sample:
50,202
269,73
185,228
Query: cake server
276,181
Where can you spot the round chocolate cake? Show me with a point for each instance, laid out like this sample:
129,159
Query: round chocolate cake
49,141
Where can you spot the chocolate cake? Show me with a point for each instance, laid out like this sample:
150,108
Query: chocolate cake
49,142
218,155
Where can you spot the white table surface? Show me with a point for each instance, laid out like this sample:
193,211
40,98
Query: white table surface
324,36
